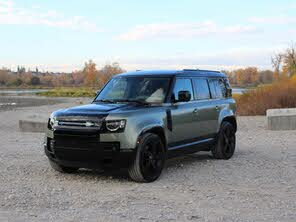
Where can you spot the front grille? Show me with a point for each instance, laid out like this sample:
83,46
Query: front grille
79,122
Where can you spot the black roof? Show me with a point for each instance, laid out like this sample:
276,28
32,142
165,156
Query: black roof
170,73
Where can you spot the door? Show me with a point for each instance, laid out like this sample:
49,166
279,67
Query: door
205,115
182,114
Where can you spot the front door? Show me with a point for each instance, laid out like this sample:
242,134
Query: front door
182,114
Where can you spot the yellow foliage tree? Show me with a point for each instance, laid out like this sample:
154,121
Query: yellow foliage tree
90,73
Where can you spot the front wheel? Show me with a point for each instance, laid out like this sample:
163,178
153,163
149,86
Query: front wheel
149,160
62,169
225,144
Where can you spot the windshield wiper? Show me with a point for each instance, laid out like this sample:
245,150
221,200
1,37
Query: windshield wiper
142,102
105,101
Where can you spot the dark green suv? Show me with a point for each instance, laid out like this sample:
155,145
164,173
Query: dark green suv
141,118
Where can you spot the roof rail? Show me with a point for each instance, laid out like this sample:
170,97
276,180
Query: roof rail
202,70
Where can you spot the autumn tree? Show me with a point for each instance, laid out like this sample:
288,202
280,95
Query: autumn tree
108,71
239,76
246,76
4,76
276,61
78,78
289,61
46,80
285,60
266,76
35,81
90,73
26,77
251,75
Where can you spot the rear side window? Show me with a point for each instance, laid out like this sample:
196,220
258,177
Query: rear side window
201,89
217,88
223,87
182,85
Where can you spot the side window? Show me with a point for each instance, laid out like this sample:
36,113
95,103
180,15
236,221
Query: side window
228,92
201,88
223,88
218,89
182,85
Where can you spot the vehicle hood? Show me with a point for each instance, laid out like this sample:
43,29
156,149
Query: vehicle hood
90,109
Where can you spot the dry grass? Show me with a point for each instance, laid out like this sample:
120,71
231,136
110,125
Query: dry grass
69,92
281,94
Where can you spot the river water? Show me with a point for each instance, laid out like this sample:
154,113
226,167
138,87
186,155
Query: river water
21,91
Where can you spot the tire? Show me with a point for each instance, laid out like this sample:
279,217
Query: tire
62,169
149,160
225,144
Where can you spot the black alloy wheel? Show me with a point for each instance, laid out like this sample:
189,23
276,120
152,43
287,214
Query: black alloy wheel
226,141
150,159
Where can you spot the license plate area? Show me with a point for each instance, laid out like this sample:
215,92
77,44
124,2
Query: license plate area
77,147
76,142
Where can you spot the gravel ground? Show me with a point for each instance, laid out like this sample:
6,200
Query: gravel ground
257,184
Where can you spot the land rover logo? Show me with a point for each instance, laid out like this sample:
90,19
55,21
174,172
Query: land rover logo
89,124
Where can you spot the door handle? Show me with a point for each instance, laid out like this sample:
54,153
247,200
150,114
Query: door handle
195,111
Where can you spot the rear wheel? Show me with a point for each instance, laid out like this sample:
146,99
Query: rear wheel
225,144
62,169
149,160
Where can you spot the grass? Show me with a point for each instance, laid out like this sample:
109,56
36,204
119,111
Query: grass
280,94
69,92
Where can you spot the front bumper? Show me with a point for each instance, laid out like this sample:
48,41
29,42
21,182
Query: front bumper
86,151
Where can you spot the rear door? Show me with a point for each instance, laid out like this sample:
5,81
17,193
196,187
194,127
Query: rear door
205,114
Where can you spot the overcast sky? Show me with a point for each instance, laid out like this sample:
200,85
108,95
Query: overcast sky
60,35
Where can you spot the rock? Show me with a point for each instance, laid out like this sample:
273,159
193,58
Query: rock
281,119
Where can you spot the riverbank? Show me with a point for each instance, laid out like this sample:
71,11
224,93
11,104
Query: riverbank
16,102
69,92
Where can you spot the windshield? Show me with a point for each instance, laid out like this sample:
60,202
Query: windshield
144,89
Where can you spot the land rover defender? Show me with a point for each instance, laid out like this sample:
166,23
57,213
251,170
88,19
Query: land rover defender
141,118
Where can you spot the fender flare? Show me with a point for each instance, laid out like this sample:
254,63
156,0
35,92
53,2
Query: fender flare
156,129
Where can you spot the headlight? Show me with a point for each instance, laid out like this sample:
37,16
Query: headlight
115,125
52,122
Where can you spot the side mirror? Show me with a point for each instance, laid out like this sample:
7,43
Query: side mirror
229,92
184,96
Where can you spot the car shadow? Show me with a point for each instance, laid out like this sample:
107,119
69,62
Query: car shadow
189,159
121,174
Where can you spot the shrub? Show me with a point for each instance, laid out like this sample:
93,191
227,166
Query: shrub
35,81
281,94
15,82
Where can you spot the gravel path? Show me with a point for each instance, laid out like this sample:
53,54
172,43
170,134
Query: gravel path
257,184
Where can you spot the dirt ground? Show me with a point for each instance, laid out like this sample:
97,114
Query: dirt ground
257,184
